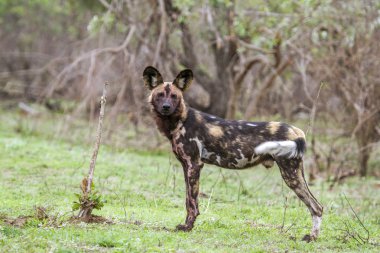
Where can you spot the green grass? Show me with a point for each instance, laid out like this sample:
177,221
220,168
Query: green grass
240,211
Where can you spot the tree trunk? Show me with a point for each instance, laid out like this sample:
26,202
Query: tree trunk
364,135
218,85
219,91
85,213
363,161
364,154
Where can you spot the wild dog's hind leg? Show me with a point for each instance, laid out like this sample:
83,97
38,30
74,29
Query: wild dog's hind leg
191,174
293,175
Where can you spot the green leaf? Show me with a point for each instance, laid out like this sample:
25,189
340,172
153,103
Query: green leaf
75,206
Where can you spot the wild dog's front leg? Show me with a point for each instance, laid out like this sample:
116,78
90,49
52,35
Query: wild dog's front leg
191,172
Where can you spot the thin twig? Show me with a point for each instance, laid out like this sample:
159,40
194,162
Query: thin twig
209,200
255,48
241,185
311,128
314,110
124,203
284,216
360,222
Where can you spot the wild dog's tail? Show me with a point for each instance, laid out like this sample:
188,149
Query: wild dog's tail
290,148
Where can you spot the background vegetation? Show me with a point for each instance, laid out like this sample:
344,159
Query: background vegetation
251,59
312,63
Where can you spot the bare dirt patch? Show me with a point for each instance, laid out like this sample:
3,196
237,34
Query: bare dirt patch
16,222
91,219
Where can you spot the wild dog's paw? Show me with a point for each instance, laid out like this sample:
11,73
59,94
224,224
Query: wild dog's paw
309,238
183,227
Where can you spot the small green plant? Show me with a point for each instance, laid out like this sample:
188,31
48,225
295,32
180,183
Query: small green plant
91,200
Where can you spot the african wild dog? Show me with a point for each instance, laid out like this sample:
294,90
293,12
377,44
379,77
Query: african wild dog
199,138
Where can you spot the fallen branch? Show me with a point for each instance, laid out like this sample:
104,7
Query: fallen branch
341,174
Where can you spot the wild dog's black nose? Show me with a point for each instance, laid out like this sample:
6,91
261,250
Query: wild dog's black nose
166,106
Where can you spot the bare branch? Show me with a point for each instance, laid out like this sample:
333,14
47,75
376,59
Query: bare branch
361,121
314,110
254,48
61,77
210,20
162,32
268,83
250,63
106,4
238,82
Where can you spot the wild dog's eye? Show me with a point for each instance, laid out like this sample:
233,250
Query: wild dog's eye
173,96
161,94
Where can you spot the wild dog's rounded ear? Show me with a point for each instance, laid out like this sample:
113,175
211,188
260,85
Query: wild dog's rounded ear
183,80
152,77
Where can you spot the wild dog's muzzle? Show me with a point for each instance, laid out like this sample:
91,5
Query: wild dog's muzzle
166,109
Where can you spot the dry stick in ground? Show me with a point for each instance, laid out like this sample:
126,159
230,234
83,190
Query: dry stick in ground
87,206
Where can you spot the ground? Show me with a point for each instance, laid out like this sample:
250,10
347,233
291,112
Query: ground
240,211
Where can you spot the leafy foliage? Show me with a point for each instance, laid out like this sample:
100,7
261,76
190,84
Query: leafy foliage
93,199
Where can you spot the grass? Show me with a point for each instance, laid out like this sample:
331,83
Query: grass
240,211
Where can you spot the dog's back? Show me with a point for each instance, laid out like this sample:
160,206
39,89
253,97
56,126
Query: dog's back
241,144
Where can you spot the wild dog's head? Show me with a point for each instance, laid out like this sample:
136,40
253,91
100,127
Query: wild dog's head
166,97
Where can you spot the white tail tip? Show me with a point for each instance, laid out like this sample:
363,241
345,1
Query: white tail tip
278,148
